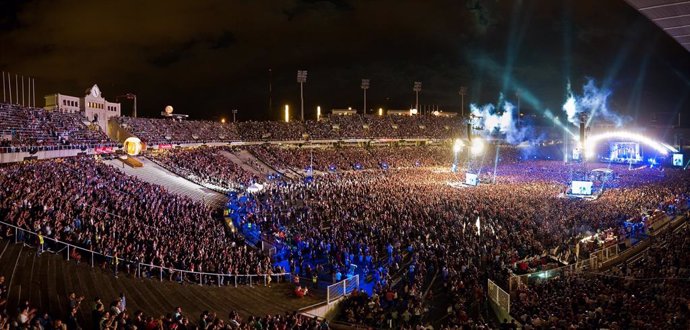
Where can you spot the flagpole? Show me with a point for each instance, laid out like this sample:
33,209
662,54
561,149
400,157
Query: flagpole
9,85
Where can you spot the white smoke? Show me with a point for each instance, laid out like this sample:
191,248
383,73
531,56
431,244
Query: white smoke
593,103
500,121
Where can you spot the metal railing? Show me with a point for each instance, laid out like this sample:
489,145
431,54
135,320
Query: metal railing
597,261
342,288
605,254
499,296
142,269
515,281
268,248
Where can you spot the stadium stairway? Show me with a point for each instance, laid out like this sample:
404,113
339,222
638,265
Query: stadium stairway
267,168
154,173
244,162
45,282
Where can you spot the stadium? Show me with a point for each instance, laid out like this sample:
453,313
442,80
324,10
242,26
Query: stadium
504,214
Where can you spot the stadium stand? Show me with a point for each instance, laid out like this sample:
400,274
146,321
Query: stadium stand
23,129
423,245
155,131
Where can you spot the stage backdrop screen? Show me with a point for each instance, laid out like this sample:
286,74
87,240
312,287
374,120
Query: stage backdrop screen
625,152
581,187
471,179
677,159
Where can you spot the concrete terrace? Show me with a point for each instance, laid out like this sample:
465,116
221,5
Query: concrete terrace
47,280
154,173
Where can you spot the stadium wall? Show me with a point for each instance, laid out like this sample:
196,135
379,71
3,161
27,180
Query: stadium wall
14,157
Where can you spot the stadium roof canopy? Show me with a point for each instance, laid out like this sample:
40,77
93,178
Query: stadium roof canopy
673,16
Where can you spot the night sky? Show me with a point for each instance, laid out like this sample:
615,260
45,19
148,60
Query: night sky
208,57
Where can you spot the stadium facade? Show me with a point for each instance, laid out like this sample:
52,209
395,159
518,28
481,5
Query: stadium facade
92,105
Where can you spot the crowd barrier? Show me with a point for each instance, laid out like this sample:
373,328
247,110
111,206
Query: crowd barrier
140,269
341,289
599,260
605,254
268,248
515,281
499,296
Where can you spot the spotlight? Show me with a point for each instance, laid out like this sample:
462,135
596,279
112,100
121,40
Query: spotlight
457,146
591,142
477,146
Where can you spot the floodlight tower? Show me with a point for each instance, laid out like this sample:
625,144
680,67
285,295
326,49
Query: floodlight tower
365,86
583,122
417,87
462,92
301,79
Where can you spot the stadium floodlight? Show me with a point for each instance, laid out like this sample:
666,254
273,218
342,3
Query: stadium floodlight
318,113
477,146
365,86
287,113
301,79
380,111
417,87
222,120
457,146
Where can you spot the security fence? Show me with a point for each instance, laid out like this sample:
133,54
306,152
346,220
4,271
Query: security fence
342,288
137,268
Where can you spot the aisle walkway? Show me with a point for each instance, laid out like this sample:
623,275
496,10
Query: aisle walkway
154,173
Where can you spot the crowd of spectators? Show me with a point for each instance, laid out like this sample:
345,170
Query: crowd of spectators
117,316
154,131
23,128
271,130
205,166
650,292
412,222
335,127
85,202
415,238
329,159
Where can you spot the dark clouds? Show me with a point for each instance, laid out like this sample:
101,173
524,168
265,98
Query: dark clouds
208,57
